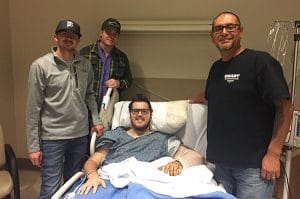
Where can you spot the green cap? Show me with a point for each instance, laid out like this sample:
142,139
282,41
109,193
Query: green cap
111,23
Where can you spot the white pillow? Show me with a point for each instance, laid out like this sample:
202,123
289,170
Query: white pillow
167,117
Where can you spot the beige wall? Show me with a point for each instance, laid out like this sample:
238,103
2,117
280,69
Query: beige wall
30,25
7,116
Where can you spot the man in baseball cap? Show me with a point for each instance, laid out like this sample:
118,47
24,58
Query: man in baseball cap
60,93
68,25
111,65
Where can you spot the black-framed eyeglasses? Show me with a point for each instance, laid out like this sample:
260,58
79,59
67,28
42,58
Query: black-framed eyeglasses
228,27
135,111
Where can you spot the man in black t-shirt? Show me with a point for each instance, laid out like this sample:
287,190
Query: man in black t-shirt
249,113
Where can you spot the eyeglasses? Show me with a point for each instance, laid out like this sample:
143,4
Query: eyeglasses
228,27
68,35
136,111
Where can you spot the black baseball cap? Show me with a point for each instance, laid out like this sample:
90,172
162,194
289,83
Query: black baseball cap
111,23
68,25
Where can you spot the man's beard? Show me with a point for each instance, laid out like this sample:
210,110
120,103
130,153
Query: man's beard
68,45
233,45
140,128
225,48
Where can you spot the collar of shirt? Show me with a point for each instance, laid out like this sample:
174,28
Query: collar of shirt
105,71
101,52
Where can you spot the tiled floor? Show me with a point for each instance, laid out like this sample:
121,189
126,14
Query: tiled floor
30,182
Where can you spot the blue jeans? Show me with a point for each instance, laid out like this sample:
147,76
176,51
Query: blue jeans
60,158
244,183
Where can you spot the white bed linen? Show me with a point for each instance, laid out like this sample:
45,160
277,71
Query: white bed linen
193,134
192,181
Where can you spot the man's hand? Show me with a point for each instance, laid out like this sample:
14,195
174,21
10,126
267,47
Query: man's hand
112,83
99,129
270,169
93,182
172,168
36,158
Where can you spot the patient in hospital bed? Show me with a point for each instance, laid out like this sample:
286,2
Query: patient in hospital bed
148,163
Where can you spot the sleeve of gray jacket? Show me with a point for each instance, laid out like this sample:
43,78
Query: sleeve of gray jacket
90,97
35,98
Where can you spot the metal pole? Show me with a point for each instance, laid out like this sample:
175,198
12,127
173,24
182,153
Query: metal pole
288,159
296,39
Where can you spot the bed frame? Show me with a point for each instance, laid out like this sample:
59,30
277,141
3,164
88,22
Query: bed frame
192,134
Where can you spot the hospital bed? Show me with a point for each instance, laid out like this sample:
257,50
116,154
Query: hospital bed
187,121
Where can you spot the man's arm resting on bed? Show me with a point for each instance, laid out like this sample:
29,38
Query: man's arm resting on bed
188,157
90,168
184,158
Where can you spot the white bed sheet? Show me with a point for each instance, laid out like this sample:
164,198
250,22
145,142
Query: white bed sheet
193,134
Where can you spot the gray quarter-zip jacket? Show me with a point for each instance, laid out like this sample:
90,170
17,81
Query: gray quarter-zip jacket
59,96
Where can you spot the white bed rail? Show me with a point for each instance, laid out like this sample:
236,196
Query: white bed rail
67,185
193,135
77,175
104,106
93,142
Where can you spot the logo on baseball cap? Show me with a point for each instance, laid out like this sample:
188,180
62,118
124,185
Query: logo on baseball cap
68,25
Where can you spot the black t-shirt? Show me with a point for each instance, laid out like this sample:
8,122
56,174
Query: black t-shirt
240,95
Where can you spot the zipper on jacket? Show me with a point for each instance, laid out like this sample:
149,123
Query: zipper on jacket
76,78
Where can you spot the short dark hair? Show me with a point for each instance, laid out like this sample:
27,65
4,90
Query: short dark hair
224,13
140,98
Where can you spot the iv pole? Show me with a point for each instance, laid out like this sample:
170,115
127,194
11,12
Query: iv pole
289,148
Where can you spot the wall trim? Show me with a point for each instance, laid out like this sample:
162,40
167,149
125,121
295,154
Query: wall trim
165,26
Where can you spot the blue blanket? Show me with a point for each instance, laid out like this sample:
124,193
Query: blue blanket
137,191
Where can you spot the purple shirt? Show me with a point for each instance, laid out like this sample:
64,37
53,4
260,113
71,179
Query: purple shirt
106,62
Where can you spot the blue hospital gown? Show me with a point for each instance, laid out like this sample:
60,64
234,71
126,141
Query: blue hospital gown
145,148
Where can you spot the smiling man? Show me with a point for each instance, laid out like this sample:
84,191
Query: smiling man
140,142
60,93
110,64
249,113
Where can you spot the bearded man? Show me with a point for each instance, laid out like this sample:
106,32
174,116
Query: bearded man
140,142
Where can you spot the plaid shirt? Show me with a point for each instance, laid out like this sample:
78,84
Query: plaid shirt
119,68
